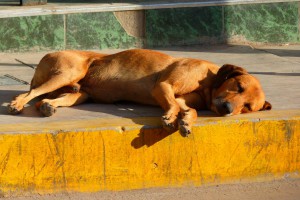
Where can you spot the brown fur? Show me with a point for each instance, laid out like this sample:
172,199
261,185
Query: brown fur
178,85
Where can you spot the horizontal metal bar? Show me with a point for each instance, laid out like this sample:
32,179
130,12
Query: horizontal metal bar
20,61
16,79
88,8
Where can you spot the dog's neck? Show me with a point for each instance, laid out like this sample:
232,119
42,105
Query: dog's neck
207,90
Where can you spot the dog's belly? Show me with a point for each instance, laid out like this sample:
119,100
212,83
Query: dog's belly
109,91
108,86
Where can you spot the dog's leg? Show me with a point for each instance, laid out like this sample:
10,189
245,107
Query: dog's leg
52,84
187,103
164,95
48,106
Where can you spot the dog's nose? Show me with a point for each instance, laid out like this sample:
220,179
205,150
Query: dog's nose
227,107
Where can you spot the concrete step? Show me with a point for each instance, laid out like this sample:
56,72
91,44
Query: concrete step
69,7
100,154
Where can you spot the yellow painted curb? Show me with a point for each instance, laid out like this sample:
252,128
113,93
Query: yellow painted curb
124,154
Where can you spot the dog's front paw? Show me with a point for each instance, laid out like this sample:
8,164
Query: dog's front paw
169,123
184,128
13,108
47,109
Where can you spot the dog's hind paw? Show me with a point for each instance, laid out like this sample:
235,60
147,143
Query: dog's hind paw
184,128
13,110
47,109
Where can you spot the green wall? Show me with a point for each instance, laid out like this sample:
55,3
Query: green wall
274,23
270,23
183,26
32,33
96,31
56,32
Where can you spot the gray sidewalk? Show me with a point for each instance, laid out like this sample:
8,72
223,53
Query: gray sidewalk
277,67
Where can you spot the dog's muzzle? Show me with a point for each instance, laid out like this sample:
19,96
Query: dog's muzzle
223,108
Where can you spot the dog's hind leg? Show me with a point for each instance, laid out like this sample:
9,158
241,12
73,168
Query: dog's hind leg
48,106
52,84
188,104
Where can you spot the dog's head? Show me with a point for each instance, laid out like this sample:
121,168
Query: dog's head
235,91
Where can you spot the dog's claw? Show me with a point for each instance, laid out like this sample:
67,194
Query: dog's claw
164,117
170,125
184,128
47,109
185,132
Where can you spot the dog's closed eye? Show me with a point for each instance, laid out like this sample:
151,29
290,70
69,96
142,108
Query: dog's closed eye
240,88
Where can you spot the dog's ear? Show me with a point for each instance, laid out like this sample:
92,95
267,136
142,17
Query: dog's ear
266,106
228,71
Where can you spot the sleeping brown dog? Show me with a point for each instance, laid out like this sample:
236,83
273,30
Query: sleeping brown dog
179,85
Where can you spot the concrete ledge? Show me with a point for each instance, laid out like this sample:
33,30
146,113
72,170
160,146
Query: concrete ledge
50,9
123,154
